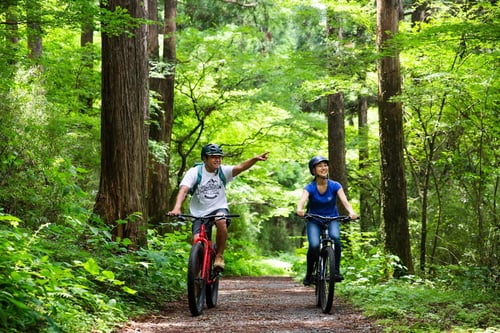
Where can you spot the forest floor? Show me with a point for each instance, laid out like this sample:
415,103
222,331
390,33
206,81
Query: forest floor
256,304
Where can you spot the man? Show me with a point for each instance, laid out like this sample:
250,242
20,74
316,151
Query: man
209,195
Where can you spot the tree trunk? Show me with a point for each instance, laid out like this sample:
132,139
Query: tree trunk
34,30
419,15
367,222
153,31
12,33
161,128
336,125
393,185
336,141
120,201
86,39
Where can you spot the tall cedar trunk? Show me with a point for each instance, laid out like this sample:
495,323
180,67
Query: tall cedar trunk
367,222
86,39
419,15
161,131
153,31
393,184
123,131
34,29
12,29
336,141
336,125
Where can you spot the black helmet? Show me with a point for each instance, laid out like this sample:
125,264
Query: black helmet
211,149
316,160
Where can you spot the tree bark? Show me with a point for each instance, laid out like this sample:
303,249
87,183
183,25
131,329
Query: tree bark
34,30
394,204
86,39
336,126
161,129
120,201
367,222
336,141
11,9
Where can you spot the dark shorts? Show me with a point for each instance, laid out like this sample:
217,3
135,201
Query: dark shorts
197,223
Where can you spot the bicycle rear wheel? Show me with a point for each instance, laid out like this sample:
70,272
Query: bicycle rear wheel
213,287
196,285
327,279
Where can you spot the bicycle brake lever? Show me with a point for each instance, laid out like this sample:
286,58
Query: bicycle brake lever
180,217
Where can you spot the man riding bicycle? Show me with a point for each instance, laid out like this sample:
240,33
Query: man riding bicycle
209,196
321,196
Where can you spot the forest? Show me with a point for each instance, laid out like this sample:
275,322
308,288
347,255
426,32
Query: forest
105,105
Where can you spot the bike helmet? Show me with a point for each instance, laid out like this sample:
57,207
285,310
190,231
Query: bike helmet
211,149
316,160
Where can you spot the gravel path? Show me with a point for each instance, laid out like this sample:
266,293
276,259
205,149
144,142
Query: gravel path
257,304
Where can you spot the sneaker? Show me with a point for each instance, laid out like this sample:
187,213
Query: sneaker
307,280
219,262
339,278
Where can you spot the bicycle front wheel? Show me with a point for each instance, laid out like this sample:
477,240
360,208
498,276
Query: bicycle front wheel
196,285
213,286
327,279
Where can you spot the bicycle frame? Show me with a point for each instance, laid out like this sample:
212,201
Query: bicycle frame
208,252
202,277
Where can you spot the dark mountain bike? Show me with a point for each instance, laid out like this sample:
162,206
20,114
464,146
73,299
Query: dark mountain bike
324,276
202,277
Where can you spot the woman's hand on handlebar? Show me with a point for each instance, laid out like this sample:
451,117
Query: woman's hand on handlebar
300,213
353,216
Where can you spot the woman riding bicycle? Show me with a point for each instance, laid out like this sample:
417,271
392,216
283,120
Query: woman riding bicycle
209,196
321,196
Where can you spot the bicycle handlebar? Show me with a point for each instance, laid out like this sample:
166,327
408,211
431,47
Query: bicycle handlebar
340,218
206,217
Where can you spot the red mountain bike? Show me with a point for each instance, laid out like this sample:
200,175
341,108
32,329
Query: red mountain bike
202,277
324,276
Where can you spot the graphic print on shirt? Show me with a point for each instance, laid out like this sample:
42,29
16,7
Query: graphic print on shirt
210,190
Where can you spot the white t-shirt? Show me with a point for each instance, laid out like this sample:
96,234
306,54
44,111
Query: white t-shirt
210,194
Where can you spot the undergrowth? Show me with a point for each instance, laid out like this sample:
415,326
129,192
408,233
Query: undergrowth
451,299
72,277
440,304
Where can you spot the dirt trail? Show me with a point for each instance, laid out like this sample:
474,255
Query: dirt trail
257,304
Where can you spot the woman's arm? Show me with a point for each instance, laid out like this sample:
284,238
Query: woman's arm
341,195
302,202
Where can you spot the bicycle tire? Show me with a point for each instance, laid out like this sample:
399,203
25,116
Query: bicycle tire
316,282
196,286
212,288
327,289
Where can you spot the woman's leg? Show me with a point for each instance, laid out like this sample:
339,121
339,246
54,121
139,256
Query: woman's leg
334,232
313,234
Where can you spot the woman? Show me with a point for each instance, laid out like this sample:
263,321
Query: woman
321,197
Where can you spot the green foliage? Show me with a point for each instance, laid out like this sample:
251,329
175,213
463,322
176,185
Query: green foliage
446,303
244,259
39,294
93,284
452,132
39,181
364,261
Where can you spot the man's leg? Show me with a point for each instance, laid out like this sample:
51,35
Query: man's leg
220,241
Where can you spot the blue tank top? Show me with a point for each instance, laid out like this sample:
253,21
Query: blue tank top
323,204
